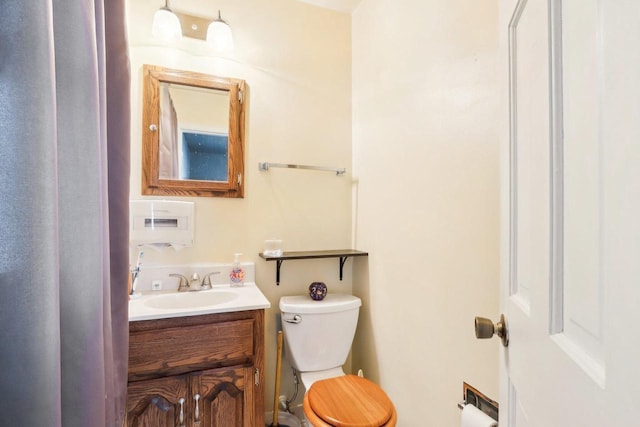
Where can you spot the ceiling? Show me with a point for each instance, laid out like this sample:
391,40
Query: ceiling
346,6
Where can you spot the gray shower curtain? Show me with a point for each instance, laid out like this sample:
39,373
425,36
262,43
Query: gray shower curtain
64,190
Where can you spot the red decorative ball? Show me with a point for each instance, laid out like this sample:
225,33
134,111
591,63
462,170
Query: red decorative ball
317,291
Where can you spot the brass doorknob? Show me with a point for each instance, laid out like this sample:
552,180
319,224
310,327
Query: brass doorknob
485,328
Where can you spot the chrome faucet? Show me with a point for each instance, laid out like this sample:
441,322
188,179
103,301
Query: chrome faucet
194,284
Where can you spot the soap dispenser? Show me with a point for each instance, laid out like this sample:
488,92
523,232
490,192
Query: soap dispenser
237,273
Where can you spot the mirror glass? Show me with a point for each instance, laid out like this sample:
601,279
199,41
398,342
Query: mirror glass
194,141
193,134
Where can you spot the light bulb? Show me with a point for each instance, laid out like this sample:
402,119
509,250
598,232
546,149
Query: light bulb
219,35
166,25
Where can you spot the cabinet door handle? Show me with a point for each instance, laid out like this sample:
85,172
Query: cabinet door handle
197,415
181,402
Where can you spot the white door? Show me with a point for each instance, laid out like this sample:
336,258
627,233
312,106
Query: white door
570,274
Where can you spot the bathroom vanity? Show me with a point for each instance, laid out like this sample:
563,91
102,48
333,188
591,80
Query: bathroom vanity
197,370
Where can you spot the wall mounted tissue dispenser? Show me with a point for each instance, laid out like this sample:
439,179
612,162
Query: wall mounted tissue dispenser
161,223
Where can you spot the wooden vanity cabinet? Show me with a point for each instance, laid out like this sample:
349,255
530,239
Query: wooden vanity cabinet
199,371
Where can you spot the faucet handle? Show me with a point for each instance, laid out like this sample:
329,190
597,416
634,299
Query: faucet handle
206,282
183,285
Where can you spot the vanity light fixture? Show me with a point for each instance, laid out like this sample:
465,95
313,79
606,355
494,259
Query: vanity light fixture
166,25
219,35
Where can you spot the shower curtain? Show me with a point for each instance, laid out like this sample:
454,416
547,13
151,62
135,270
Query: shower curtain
64,190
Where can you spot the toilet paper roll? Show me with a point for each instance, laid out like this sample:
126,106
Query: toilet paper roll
474,417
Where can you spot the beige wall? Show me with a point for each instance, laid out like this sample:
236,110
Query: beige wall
425,159
296,60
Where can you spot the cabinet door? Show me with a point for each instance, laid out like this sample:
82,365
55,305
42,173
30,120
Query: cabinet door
156,403
226,397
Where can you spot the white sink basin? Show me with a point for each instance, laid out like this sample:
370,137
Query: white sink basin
220,299
183,300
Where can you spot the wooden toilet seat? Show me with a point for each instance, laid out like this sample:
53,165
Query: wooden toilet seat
348,401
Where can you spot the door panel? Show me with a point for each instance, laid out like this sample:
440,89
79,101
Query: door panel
529,156
579,175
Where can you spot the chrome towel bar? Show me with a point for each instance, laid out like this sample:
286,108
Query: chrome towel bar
264,166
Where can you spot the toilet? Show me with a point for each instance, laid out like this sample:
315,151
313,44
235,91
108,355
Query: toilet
318,337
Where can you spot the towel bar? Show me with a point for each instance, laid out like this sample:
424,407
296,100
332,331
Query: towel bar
264,166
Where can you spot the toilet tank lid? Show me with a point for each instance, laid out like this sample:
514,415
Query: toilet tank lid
332,303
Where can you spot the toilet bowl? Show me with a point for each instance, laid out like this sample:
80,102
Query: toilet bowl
318,337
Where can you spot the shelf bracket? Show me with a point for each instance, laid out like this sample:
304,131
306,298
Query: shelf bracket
343,259
278,264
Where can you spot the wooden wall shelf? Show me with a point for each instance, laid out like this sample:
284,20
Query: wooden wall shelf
343,254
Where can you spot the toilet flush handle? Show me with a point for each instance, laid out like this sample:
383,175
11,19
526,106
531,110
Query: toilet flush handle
295,319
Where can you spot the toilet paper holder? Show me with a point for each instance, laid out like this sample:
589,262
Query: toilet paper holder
471,396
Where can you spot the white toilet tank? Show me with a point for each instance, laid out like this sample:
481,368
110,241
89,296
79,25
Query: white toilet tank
318,334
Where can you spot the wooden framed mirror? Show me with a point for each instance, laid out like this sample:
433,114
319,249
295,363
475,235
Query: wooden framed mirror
192,134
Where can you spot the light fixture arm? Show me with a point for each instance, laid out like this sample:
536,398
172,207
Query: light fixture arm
219,19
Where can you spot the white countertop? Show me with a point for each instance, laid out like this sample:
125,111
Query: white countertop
247,297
